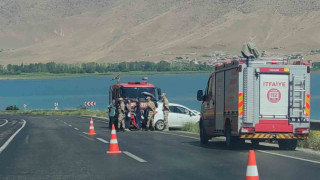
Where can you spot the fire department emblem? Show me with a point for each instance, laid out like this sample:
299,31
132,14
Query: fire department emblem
274,95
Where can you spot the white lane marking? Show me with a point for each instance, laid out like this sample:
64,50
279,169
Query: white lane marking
134,157
102,140
3,147
292,157
276,154
76,129
65,122
70,125
180,135
4,123
57,119
85,133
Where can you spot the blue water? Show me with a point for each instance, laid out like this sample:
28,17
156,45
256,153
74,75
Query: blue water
70,93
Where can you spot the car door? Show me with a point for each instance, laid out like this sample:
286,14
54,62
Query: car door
173,116
183,116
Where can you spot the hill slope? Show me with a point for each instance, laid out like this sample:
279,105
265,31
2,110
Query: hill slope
108,31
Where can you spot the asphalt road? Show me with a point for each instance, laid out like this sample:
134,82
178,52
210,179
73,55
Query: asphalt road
56,147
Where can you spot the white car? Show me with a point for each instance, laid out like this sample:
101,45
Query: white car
178,116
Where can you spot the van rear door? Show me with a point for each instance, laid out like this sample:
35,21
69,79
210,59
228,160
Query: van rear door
274,101
274,89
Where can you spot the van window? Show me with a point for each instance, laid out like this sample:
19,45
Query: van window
209,88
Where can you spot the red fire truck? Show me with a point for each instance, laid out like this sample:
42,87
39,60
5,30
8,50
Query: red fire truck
134,90
259,100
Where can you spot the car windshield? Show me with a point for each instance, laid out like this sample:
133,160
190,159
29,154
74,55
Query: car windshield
134,92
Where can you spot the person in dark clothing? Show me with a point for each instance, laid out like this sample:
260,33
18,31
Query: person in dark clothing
138,113
112,113
127,112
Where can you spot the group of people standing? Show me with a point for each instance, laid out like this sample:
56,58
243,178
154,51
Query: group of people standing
120,114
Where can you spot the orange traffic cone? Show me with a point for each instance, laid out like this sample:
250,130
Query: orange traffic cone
114,148
252,170
91,128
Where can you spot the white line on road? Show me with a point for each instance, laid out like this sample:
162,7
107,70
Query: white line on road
85,133
102,140
70,125
57,119
4,123
65,122
292,157
180,135
3,147
76,129
276,154
134,157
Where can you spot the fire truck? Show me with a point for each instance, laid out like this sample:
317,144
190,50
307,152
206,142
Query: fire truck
257,100
134,90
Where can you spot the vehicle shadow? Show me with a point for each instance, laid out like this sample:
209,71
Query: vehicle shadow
221,145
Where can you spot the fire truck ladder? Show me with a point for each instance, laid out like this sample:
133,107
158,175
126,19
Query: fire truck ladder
298,96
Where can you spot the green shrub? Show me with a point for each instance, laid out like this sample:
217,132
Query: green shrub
312,142
191,127
12,108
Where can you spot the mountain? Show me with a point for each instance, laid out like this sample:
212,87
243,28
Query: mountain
71,31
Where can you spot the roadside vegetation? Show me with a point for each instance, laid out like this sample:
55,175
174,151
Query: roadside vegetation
191,127
93,67
79,112
313,142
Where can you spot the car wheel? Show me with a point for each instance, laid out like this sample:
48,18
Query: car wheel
204,139
160,125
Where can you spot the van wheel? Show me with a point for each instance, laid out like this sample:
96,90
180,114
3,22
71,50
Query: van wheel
229,140
159,125
204,139
289,144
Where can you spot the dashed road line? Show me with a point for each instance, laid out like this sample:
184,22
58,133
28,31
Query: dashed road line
134,157
3,147
85,133
65,122
70,125
91,139
4,123
76,129
102,140
292,157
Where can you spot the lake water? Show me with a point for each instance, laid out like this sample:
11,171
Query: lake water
73,92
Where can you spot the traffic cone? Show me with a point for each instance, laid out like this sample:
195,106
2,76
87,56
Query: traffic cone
252,170
114,148
91,128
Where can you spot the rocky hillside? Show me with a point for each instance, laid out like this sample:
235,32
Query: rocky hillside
109,30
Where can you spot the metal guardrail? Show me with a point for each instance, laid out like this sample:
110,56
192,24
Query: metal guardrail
315,125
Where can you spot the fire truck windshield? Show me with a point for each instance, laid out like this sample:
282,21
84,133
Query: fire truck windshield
136,92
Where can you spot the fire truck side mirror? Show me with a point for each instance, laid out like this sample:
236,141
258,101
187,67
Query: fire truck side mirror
200,95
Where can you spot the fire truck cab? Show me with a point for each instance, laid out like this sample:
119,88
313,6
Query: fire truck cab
134,90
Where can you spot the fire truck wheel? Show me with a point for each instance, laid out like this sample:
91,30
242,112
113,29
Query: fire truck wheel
229,141
204,139
255,143
160,125
289,144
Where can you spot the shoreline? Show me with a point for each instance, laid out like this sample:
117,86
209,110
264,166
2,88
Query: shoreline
78,75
